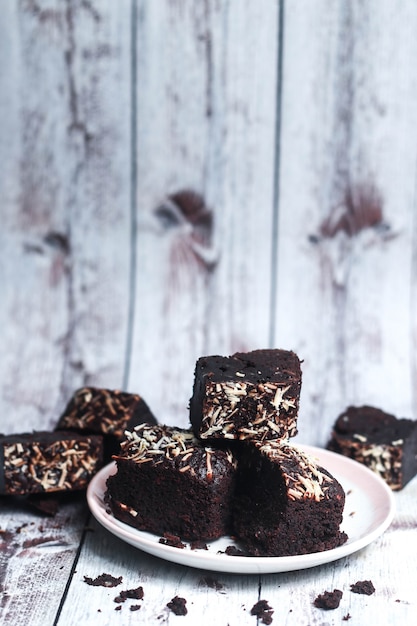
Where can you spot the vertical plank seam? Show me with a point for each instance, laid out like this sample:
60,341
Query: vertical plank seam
277,171
413,302
133,195
86,529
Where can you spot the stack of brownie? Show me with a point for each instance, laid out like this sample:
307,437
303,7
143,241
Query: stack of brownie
65,459
234,470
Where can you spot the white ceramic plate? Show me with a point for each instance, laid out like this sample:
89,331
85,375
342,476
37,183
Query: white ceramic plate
369,510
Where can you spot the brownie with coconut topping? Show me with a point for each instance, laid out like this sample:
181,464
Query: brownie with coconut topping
168,482
108,412
381,441
285,504
43,462
247,396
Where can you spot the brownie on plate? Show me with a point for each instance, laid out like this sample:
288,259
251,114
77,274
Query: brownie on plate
168,482
285,504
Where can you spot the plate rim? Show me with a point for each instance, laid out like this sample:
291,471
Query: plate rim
201,559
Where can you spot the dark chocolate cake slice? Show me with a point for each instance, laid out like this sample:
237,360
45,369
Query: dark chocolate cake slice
46,461
379,440
167,482
253,395
285,504
108,412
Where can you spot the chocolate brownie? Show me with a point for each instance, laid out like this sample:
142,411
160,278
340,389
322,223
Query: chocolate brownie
108,412
168,482
379,440
46,461
285,504
252,395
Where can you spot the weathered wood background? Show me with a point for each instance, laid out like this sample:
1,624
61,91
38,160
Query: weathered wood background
294,122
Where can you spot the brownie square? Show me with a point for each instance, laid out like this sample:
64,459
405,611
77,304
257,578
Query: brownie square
168,482
381,441
253,395
107,412
43,462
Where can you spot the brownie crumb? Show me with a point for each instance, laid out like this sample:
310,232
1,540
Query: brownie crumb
329,599
135,607
346,617
233,551
135,594
104,580
263,611
177,606
363,586
118,608
172,540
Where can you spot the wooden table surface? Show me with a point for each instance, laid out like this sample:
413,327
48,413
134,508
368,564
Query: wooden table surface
44,562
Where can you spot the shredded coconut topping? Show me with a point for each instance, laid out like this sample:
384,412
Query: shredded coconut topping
303,477
274,414
155,443
52,466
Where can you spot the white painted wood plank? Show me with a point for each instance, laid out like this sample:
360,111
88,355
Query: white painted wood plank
206,113
36,557
345,289
211,597
34,258
98,193
65,204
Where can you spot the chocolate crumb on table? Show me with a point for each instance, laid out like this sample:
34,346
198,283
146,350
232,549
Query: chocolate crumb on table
328,599
365,587
104,580
177,605
262,611
134,594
